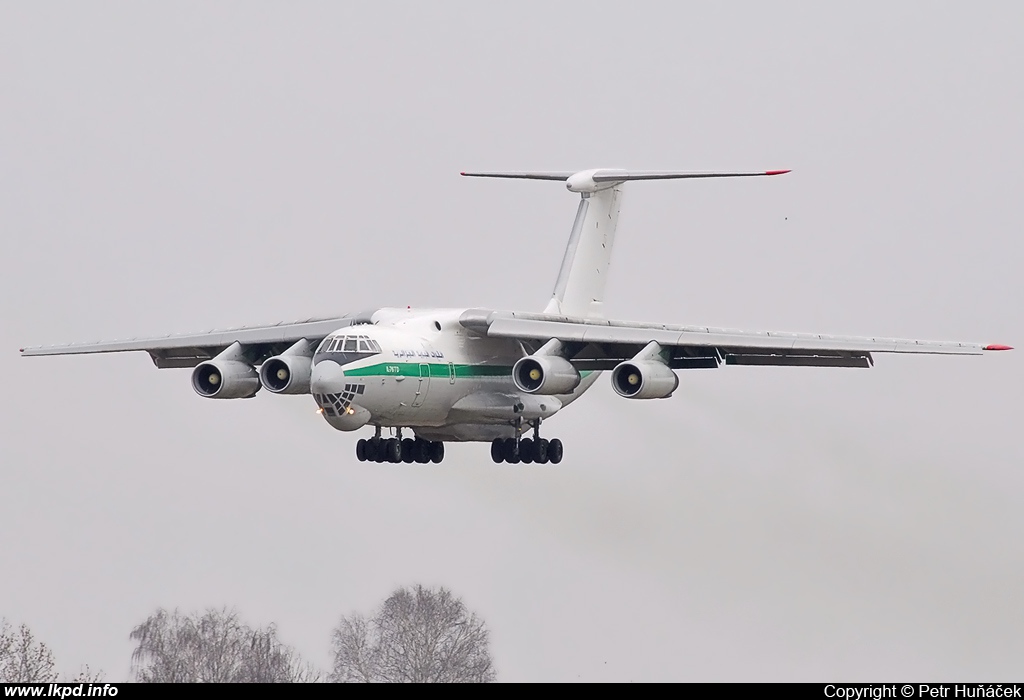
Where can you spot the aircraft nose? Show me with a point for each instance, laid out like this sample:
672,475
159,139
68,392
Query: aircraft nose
327,378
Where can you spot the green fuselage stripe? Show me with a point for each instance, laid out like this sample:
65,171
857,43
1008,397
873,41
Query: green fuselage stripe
412,369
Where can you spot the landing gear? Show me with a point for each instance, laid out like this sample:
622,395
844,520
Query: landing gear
526,450
397,450
436,452
408,450
511,451
393,451
555,451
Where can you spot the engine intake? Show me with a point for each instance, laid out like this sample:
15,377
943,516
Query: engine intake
225,379
644,380
545,374
287,374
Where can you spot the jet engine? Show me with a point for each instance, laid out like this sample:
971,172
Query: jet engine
225,379
644,379
545,374
287,374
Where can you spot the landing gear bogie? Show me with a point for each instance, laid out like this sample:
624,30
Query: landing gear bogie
535,450
399,450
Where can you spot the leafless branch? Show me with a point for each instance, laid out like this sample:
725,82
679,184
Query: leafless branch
418,635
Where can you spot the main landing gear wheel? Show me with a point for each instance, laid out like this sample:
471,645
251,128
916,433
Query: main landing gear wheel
398,450
422,451
393,451
555,451
540,451
369,449
436,452
526,451
510,451
408,450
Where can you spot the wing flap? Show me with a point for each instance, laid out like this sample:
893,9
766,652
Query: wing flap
799,360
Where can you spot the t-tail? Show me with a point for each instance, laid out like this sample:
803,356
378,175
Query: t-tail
580,287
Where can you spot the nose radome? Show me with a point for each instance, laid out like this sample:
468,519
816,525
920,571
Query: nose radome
327,378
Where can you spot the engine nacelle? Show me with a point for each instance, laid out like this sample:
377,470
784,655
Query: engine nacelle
287,374
644,380
225,379
545,374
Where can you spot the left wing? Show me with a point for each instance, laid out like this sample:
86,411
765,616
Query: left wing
598,344
189,350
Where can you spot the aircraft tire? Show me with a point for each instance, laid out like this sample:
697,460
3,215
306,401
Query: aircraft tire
511,451
436,452
526,450
393,450
422,451
361,450
408,450
370,450
540,451
498,451
555,451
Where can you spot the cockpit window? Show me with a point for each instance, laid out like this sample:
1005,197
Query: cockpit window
350,345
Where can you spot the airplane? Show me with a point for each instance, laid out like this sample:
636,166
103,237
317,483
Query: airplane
484,375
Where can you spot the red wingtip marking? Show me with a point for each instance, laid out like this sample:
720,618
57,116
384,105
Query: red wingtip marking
21,350
778,172
998,347
462,173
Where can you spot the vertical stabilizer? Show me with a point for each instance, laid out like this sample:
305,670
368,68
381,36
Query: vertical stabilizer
580,287
583,276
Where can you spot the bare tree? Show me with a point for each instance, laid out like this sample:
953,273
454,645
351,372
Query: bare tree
214,647
22,659
86,675
418,635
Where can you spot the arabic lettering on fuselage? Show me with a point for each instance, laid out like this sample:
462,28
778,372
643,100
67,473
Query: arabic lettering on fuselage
421,353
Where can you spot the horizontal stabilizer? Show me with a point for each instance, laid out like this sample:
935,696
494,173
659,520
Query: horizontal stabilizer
560,176
628,175
589,181
611,175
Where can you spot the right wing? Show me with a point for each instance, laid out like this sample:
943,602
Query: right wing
188,350
599,344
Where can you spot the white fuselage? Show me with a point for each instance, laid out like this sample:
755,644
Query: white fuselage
423,370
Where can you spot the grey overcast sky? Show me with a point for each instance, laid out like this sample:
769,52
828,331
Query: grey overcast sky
179,167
